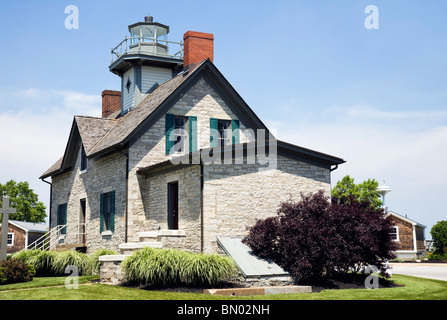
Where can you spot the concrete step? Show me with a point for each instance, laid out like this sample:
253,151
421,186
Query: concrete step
129,248
150,236
66,247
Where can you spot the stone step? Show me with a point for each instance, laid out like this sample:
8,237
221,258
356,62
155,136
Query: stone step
66,247
150,236
128,248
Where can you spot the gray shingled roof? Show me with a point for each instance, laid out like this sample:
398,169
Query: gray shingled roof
100,134
30,226
130,121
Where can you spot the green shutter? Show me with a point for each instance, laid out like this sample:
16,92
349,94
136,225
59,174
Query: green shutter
192,134
170,126
101,213
112,211
64,231
235,130
214,134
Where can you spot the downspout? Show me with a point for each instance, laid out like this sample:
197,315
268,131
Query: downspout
51,201
126,210
201,206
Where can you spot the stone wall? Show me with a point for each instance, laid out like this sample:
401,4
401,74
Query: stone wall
103,175
200,101
235,196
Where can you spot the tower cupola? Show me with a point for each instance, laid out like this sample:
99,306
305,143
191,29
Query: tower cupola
144,60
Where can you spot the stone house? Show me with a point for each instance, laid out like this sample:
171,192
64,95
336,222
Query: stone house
21,234
409,236
177,158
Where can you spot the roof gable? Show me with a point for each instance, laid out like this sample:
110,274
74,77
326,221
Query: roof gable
88,130
138,120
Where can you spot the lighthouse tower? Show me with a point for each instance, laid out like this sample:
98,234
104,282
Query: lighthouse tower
144,60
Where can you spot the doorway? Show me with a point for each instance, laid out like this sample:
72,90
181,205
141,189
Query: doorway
173,206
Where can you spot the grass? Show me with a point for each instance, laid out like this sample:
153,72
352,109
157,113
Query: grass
413,289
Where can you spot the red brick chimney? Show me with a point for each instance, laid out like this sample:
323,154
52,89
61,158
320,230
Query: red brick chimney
198,46
111,102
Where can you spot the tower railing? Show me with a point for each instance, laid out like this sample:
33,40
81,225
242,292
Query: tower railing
136,45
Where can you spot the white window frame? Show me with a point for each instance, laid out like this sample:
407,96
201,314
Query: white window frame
397,233
12,239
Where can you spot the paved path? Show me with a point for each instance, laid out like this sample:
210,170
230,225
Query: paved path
423,270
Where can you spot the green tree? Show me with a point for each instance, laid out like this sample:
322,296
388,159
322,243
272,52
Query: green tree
28,206
365,191
439,235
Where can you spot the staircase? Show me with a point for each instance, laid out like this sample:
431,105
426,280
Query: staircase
147,239
57,239
155,239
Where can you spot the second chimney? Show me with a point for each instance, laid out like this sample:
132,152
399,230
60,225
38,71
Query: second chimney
198,46
111,102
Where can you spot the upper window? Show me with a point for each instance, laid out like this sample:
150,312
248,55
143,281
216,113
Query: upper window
223,132
83,159
181,134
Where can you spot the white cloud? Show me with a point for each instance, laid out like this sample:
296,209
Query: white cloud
34,128
406,149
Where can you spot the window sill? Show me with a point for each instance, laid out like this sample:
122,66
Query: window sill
106,233
82,172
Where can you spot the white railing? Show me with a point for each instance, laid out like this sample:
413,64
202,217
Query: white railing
137,45
58,235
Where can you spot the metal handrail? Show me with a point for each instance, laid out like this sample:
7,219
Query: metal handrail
118,51
49,239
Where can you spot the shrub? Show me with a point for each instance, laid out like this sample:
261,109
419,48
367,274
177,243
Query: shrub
315,237
70,258
42,261
15,271
167,267
437,256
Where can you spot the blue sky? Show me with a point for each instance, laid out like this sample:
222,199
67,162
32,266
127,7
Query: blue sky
310,69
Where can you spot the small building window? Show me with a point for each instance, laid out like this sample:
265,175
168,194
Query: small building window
10,239
394,233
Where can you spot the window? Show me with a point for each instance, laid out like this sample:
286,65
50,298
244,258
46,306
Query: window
224,129
83,159
394,233
223,132
62,217
10,239
107,212
181,134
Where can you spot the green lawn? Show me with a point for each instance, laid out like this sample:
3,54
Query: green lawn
414,289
